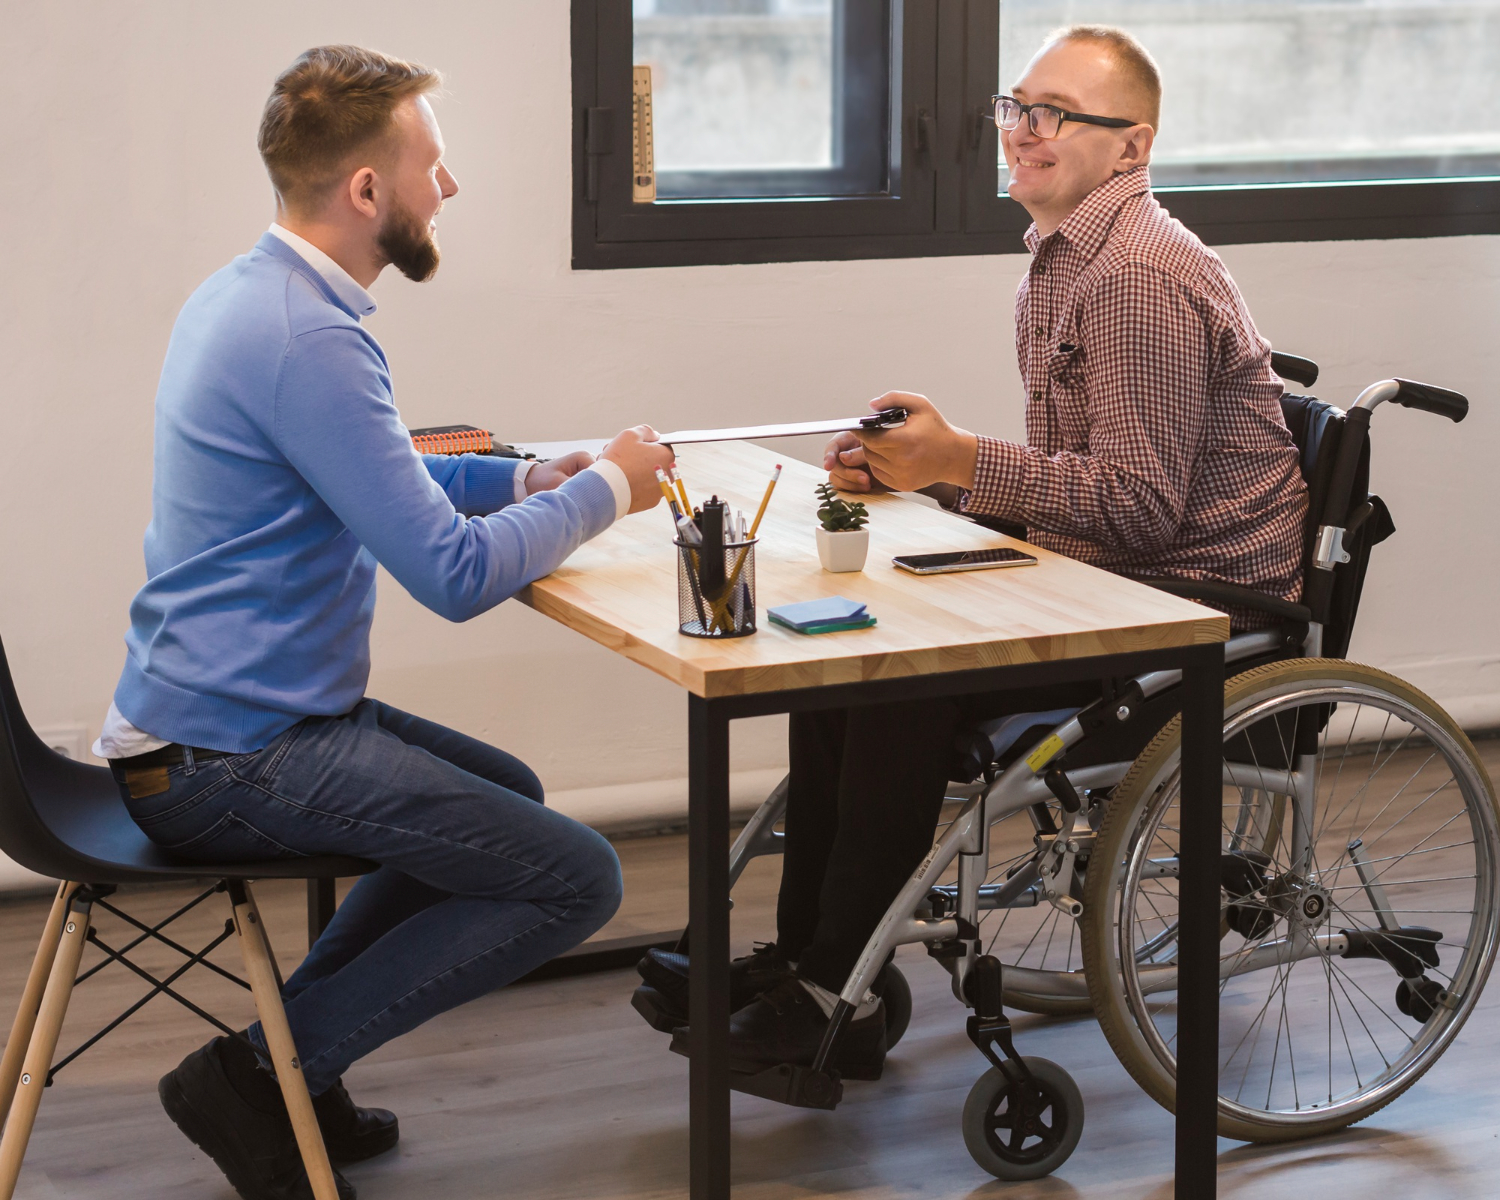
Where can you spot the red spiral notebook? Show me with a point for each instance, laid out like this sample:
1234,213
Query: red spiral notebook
460,439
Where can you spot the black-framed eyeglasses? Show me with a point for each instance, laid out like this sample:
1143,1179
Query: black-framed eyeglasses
1046,119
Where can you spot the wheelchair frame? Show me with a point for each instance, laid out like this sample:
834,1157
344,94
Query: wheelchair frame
1020,786
946,917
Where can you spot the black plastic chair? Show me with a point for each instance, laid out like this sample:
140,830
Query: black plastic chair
65,820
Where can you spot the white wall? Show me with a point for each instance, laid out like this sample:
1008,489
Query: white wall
132,174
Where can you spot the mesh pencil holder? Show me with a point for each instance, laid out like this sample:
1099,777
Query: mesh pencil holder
725,608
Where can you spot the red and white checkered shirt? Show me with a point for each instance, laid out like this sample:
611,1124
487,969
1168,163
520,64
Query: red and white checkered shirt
1156,444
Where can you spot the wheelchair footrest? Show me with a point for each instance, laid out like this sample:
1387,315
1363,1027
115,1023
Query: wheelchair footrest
652,1005
787,1083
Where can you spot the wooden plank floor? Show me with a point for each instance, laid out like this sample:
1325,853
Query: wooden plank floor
558,1089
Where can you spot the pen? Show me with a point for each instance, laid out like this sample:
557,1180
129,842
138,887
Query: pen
690,537
721,610
711,559
685,527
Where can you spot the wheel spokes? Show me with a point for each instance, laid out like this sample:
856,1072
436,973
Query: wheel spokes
1296,1039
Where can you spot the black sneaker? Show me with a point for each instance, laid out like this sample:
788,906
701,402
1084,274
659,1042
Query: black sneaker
353,1134
786,1025
666,973
252,1143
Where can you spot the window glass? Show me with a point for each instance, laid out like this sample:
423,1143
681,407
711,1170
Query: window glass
740,84
743,95
1268,91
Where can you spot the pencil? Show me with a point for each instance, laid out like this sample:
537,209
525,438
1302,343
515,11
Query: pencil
765,500
682,490
666,490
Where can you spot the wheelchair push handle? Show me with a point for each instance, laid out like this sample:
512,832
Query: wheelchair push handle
1430,398
1409,394
1427,397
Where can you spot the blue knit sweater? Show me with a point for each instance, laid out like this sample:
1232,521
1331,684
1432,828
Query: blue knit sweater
282,475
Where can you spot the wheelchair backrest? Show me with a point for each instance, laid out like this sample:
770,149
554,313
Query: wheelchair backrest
1318,429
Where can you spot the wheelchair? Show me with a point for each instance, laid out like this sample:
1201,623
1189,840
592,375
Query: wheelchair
1360,848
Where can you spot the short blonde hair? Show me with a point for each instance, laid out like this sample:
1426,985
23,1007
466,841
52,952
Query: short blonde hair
1142,75
328,105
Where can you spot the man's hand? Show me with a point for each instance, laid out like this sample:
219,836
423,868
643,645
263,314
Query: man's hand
637,452
545,476
844,460
923,452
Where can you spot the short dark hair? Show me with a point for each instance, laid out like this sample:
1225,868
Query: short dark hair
329,104
1133,59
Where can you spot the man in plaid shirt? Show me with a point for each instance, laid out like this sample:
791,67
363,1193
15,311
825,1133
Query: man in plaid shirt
1155,447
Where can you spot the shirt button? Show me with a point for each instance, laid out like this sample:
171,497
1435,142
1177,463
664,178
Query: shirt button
1038,330
1042,270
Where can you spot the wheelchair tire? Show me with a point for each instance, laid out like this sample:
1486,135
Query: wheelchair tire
1045,1006
1384,774
896,996
1051,1130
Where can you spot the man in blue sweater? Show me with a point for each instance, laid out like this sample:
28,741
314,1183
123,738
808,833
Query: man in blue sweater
240,729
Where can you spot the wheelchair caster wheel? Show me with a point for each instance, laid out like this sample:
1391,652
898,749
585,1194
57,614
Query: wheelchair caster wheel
895,995
1421,1001
1023,1130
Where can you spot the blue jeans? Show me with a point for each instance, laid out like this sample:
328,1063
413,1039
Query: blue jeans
478,883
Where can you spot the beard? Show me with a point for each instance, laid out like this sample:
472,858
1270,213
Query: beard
409,245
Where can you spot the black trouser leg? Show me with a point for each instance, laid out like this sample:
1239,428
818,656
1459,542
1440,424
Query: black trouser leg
870,826
865,793
815,744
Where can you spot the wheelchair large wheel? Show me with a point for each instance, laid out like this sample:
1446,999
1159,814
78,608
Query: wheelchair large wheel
1359,899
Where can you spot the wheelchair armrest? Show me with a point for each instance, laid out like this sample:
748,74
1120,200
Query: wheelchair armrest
1228,593
1008,528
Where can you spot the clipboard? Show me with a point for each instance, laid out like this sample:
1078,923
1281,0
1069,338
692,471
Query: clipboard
887,418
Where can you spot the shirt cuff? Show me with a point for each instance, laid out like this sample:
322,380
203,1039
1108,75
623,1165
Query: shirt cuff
618,484
523,469
999,472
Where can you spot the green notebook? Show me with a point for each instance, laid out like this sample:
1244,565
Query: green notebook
830,627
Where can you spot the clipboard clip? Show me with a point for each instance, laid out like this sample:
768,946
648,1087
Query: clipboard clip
886,418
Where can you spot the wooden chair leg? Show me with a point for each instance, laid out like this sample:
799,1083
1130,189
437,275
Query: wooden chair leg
43,1042
260,966
31,1001
270,953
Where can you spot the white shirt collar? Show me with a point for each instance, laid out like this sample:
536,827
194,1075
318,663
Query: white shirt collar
342,283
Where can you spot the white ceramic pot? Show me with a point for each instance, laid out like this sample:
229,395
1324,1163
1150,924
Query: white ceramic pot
843,551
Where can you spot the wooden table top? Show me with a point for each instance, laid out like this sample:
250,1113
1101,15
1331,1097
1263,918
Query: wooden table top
621,590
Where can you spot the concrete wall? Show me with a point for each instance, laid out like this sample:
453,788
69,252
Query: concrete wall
132,175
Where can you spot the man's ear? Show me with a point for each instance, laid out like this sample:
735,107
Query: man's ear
364,192
1136,152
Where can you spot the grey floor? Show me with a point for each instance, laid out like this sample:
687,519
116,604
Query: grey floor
558,1089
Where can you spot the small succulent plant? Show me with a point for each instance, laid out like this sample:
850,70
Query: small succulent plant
838,515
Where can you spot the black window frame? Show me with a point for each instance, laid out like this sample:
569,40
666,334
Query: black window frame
943,166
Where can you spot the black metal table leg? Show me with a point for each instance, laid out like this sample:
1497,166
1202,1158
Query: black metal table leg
1199,848
708,978
321,901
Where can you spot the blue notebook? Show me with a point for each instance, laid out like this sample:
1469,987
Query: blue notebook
830,610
